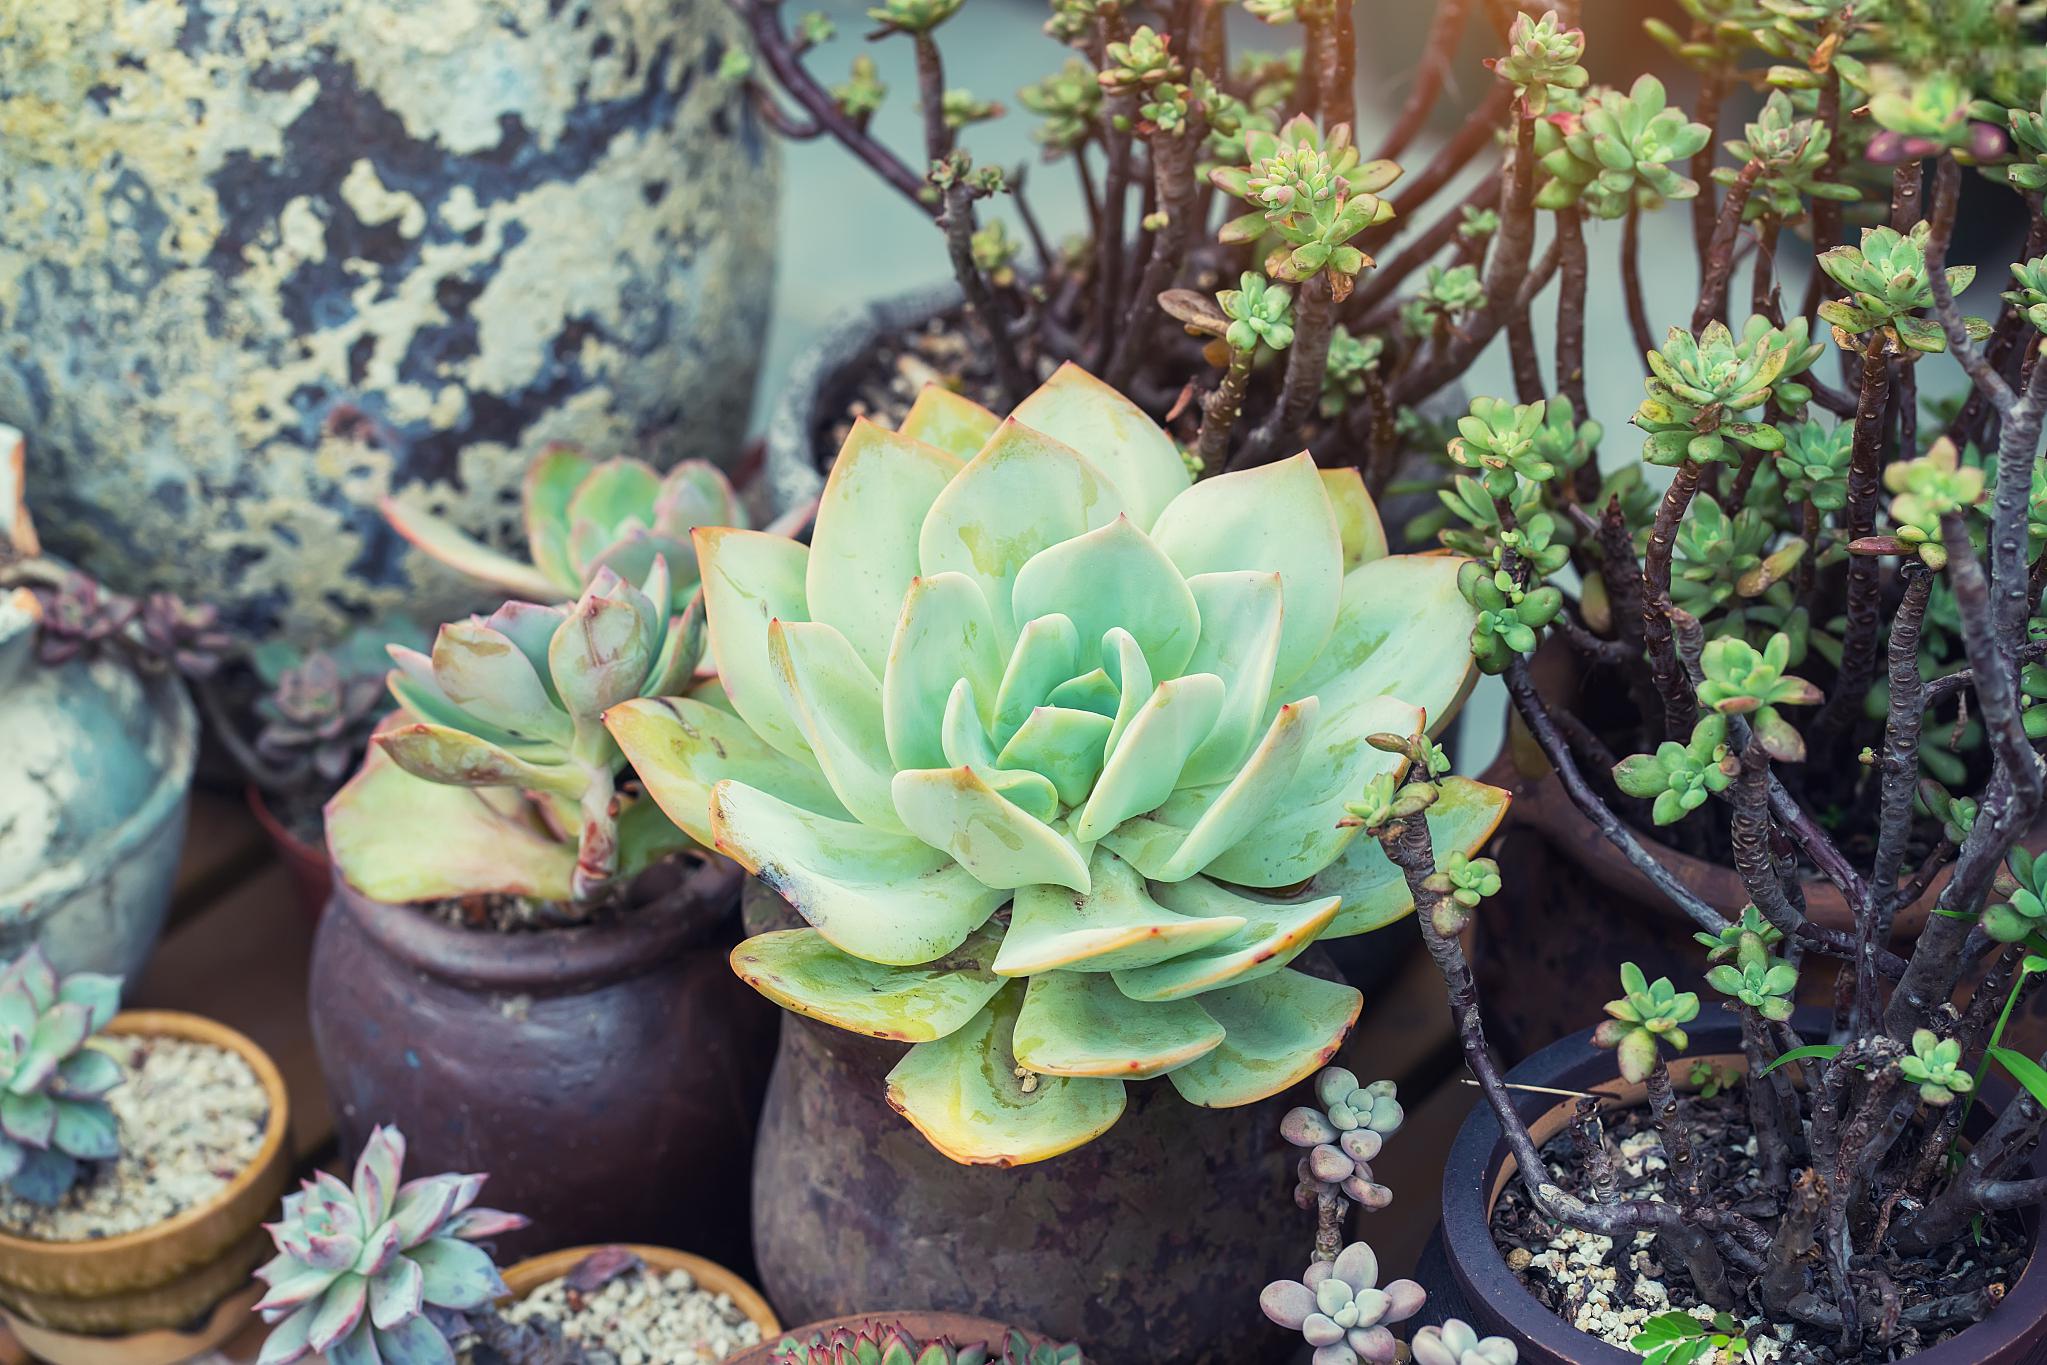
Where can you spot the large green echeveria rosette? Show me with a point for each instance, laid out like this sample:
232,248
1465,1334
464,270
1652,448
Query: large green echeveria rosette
1050,749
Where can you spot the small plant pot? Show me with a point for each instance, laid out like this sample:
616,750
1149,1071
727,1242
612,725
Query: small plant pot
310,869
960,1329
1479,1167
607,1077
529,1275
142,1292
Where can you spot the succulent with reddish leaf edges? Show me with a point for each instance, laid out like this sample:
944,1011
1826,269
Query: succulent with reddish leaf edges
1051,750
377,1270
583,516
880,1343
52,1112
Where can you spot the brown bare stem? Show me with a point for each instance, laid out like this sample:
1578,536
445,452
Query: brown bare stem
1680,708
1719,258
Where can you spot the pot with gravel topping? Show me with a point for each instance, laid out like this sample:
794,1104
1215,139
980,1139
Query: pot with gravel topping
150,1241
641,1305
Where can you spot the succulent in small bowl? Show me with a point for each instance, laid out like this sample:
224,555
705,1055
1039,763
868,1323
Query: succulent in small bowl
1051,748
53,1114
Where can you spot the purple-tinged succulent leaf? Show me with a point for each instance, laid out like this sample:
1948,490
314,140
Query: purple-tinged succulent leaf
330,1206
414,1341
1361,1144
86,1075
1337,1353
61,1031
423,1206
29,1119
457,1274
396,1294
1288,1303
86,1130
1321,1330
287,1340
98,993
377,1173
12,1155
1373,1344
292,1283
1357,1265
378,1252
1305,1127
467,1188
1404,1298
600,1268
33,972
333,1251
1329,1164
357,1348
343,1308
477,1225
44,1177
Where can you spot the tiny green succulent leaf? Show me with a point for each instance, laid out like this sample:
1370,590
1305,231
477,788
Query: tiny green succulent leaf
360,1263
1731,940
2023,911
1887,287
1645,1016
1935,485
2029,291
1031,707
1764,984
53,1114
1793,155
1618,151
1680,778
1260,312
1541,61
1699,387
1935,1066
1743,681
1310,193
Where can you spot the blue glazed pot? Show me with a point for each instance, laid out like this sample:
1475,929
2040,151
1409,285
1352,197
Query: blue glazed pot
93,794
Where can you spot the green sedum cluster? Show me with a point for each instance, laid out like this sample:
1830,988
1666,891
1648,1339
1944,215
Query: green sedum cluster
1618,152
1647,1016
1051,750
878,1343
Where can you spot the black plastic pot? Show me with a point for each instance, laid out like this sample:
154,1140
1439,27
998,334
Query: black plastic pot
1479,1167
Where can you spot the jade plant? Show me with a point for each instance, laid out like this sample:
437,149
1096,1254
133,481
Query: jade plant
886,1343
1049,747
380,1268
581,517
54,1118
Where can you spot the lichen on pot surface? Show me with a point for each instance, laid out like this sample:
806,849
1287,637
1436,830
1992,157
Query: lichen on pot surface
270,260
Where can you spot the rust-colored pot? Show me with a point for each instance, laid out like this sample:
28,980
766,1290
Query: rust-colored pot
528,1275
1138,1245
607,1078
310,869
168,1275
1479,1167
961,1329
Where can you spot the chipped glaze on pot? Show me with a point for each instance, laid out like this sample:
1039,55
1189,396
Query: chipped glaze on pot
607,1078
262,261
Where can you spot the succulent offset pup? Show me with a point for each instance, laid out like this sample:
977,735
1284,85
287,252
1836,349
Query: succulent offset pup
377,1270
582,516
52,1114
1051,748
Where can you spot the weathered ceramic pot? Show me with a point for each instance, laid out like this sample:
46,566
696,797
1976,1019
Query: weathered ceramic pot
607,1078
157,1281
262,261
1112,1245
94,786
960,1329
1479,1167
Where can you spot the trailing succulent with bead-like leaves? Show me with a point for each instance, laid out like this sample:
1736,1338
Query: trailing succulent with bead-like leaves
1051,751
54,1117
379,1270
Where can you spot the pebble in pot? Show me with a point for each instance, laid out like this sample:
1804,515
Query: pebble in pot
640,1305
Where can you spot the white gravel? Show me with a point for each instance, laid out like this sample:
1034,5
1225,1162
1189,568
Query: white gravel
191,1116
645,1317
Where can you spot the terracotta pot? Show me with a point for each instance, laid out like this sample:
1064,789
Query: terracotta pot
1114,1245
960,1329
1479,1168
168,1346
168,1275
529,1275
310,869
607,1078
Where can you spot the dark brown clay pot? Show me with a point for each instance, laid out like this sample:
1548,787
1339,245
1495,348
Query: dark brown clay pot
311,871
1479,1167
608,1079
958,1328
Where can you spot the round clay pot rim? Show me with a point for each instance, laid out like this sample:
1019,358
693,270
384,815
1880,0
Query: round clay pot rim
553,961
227,1319
31,901
197,1029
962,1329
1473,1179
535,1271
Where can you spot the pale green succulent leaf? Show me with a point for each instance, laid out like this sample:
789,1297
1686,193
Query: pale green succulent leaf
1023,492
1002,845
1273,518
1402,629
863,547
413,686
1274,934
967,745
440,753
800,970
612,494
1079,1024
1064,745
945,634
1278,1031
1116,926
836,702
1126,668
681,748
1114,576
1248,800
1146,758
489,676
551,481
1140,460
1240,631
890,898
1305,832
952,422
444,541
1047,653
481,840
1357,517
751,579
963,1094
1374,891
